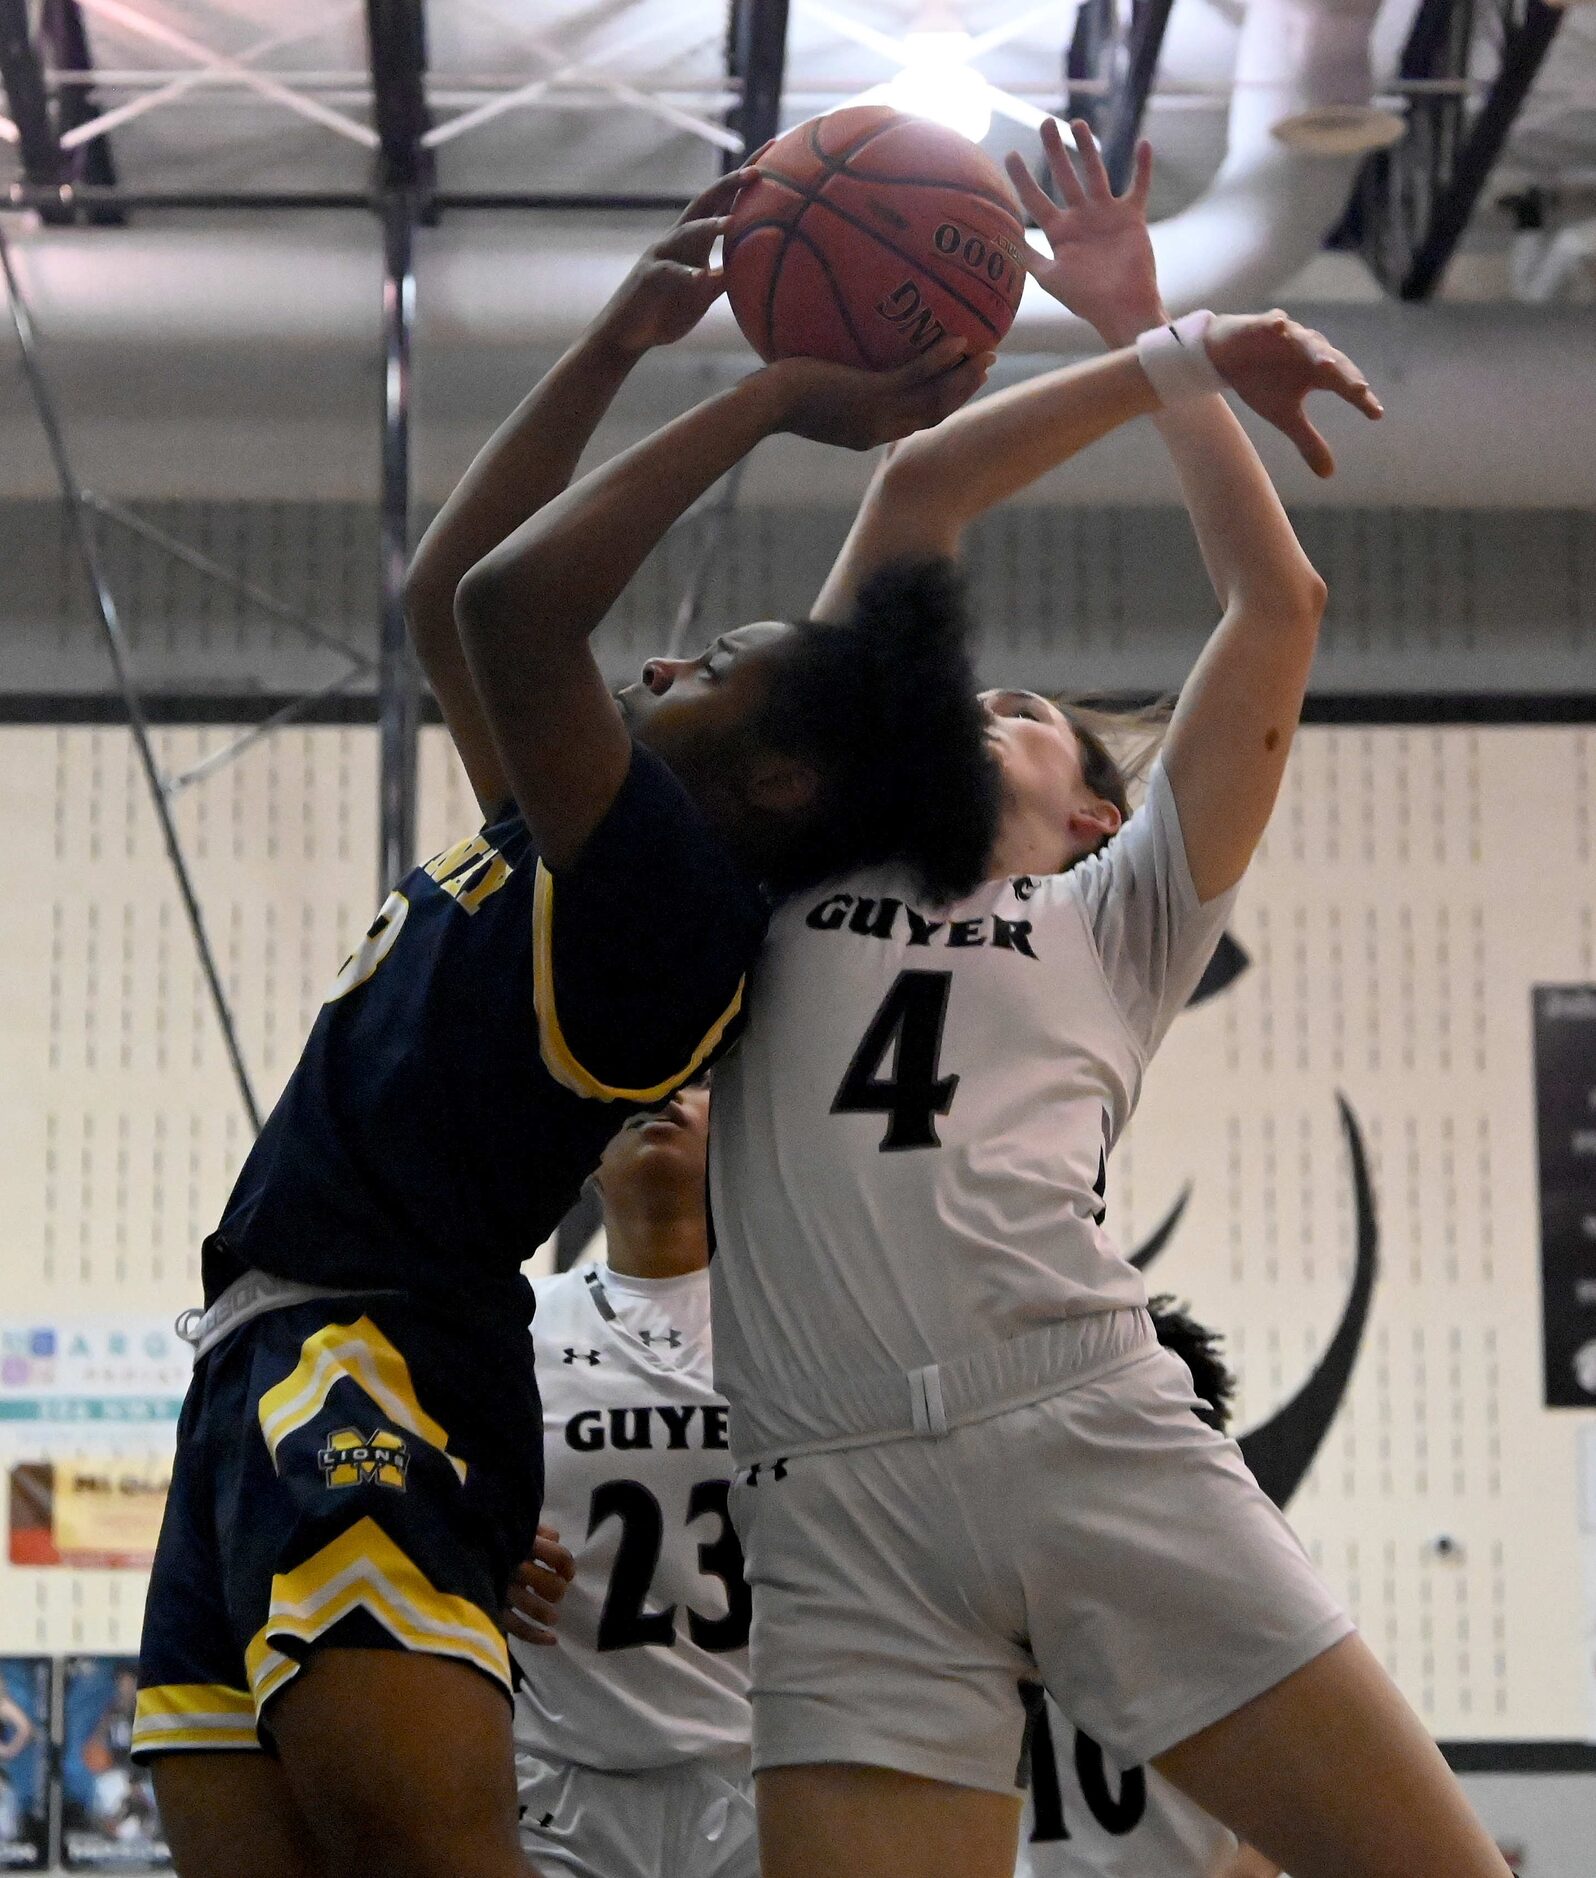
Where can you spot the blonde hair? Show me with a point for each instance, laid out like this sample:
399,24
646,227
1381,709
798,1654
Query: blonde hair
1119,744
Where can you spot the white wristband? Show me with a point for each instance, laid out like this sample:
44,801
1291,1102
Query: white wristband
1176,360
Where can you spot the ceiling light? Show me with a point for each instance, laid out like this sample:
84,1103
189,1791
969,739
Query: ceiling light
937,81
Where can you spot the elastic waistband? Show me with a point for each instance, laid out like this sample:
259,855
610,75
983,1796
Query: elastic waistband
249,1297
849,1411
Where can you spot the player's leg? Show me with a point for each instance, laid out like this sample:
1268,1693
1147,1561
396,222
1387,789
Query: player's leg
722,1825
1333,1775
586,1822
1264,1707
888,1727
402,1764
873,1822
231,1815
226,1811
384,1479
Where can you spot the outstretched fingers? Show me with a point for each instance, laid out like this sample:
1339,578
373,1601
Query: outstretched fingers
1141,176
1035,200
1093,170
1059,163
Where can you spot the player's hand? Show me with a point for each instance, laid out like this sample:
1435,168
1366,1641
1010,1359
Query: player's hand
1272,363
673,286
537,1587
856,409
1101,266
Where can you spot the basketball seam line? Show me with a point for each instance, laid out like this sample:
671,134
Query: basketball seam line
836,291
864,228
844,157
904,256
838,166
792,233
897,182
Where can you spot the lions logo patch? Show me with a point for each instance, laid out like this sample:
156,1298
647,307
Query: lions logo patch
351,1459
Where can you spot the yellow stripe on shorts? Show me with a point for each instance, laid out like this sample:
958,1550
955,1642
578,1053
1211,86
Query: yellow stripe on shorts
362,1353
363,1569
194,1715
556,1052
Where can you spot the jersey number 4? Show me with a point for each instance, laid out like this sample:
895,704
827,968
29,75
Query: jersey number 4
908,1027
623,1623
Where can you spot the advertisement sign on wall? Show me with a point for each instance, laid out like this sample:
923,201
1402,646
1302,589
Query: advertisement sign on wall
25,1685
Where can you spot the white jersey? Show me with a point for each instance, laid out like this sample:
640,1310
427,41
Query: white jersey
908,1151
1086,1817
651,1668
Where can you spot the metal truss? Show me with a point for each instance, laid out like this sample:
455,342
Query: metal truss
80,512
397,43
1109,71
1411,204
756,64
69,174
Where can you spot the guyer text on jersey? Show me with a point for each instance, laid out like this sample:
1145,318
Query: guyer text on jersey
660,1425
887,917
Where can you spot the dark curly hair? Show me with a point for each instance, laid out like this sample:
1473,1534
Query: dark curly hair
1198,1348
883,706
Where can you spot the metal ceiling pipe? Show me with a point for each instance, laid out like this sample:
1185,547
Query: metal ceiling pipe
1277,194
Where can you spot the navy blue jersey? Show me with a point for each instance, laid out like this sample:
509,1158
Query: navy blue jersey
476,1052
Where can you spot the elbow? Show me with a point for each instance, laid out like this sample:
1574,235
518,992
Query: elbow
907,476
915,495
1311,598
1296,604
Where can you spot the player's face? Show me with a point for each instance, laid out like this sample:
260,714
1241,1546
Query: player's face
1043,781
693,711
656,1162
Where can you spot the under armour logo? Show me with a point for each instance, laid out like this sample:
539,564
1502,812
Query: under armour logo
1024,887
671,1338
580,1356
778,1471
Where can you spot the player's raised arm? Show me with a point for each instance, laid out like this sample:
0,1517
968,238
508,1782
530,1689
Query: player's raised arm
1238,709
526,610
928,490
533,455
1231,733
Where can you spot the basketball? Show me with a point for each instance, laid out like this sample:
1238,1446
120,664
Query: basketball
868,236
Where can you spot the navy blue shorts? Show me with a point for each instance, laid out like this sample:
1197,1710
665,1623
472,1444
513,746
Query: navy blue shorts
350,1472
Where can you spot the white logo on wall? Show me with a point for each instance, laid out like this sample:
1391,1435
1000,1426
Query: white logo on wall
1585,1366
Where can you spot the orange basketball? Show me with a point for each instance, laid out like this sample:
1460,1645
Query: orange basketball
868,236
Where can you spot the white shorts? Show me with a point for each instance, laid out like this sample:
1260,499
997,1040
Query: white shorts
691,1821
1103,1537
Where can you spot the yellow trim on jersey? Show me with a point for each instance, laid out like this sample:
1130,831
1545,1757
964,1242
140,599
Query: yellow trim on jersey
556,1052
363,1568
362,1353
193,1715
